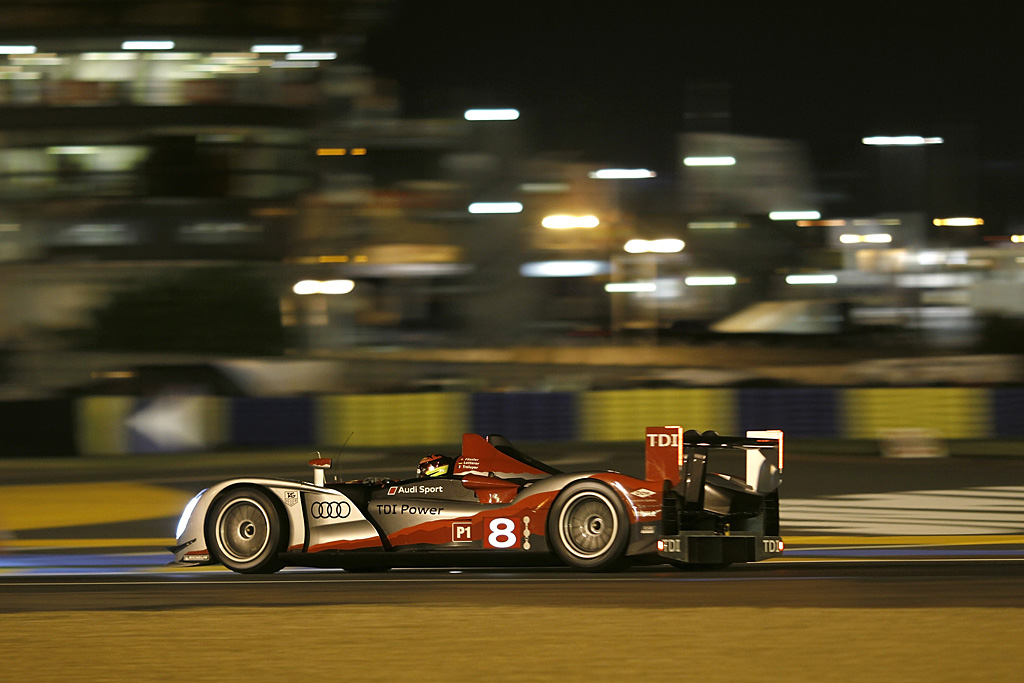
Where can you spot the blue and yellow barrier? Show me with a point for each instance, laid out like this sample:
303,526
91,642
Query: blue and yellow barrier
527,416
117,425
948,412
392,419
114,425
622,415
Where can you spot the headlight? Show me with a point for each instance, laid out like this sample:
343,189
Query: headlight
187,514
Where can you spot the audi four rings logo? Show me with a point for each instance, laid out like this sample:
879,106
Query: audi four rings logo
330,509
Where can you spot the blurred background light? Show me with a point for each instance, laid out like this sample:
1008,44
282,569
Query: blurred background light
337,286
877,221
900,140
275,48
794,215
175,56
233,56
312,56
284,64
72,149
958,222
631,287
544,188
709,161
623,173
819,279
564,268
495,207
566,222
109,56
147,45
491,114
17,49
876,238
834,223
709,281
716,225
306,287
662,246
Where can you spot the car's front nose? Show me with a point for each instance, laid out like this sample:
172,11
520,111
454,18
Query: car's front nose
191,543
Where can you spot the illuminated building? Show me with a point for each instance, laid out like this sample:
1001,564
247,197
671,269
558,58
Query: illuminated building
162,133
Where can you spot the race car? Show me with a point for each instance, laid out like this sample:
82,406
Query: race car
496,505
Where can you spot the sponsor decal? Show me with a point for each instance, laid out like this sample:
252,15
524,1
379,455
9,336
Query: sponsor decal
641,514
393,490
642,493
417,488
407,509
502,533
647,529
291,498
462,532
195,557
772,545
663,440
526,533
672,545
330,509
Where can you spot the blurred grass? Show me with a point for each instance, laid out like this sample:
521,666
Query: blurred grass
431,642
41,506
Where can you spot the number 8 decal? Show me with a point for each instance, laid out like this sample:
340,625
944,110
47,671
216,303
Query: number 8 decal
501,533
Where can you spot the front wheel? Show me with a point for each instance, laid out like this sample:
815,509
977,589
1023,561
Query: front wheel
588,527
244,531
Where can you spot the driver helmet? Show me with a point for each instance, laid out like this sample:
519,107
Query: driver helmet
434,465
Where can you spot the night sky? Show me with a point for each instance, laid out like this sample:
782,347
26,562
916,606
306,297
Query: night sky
608,79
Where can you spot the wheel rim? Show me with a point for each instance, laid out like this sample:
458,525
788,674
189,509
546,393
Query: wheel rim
588,525
243,530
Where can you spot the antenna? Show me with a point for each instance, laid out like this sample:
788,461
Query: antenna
341,448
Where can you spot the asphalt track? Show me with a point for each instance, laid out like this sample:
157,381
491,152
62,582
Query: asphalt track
879,552
115,517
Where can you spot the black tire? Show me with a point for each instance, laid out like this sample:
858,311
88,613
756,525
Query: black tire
588,527
245,532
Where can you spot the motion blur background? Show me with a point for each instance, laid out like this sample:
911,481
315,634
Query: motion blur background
243,223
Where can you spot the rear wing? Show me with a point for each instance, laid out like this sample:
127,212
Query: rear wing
680,456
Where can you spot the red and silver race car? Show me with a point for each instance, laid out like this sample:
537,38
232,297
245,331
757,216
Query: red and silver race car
495,505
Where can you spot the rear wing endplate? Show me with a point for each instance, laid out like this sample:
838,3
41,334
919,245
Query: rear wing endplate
673,454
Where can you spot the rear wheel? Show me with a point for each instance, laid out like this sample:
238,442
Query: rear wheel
245,531
588,527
